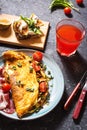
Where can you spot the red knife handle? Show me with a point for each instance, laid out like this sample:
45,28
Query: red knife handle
79,104
71,97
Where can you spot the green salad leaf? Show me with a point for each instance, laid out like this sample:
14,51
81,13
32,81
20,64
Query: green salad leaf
63,3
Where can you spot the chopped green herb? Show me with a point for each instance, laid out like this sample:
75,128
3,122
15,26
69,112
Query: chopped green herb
38,80
49,72
31,69
14,68
38,109
48,97
41,65
44,67
19,83
51,77
30,57
30,89
19,64
51,85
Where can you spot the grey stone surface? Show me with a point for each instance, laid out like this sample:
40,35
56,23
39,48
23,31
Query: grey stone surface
72,68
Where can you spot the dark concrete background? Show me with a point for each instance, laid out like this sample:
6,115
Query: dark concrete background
72,67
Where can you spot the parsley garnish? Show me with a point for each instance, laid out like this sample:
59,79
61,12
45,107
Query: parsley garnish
14,68
49,72
30,89
31,69
19,64
19,83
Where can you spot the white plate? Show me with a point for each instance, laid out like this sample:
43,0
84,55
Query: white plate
56,91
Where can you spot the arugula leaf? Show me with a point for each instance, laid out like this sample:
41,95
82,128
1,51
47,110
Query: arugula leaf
31,24
62,3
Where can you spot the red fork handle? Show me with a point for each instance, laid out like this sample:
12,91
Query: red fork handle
71,97
79,104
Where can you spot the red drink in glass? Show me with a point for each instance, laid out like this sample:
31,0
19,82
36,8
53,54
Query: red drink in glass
69,36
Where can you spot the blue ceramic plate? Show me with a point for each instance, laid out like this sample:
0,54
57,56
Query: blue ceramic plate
56,91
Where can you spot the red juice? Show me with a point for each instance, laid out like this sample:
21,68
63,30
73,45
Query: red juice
68,38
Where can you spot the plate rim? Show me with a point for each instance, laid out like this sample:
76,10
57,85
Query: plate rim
55,104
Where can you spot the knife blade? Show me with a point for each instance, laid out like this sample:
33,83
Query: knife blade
79,104
74,92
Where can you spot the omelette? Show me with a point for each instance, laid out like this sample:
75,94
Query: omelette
24,84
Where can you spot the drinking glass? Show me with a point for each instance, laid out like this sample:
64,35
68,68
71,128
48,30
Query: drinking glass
69,35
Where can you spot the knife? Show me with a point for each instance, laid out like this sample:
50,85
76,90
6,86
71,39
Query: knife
79,104
76,89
